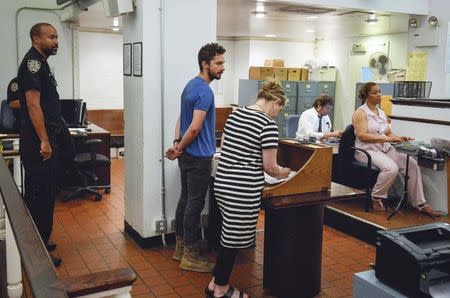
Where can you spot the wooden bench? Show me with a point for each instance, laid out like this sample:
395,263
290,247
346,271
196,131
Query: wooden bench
112,121
222,114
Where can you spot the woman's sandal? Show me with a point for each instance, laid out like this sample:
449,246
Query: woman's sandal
228,294
427,210
209,293
377,204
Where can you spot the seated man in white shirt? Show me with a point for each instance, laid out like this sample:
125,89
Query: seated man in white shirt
315,123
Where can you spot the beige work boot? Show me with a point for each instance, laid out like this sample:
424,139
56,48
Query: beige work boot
192,260
179,247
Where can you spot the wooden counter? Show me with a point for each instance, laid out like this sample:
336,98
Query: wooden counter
293,230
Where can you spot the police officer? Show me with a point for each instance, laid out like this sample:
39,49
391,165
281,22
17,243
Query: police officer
13,102
41,124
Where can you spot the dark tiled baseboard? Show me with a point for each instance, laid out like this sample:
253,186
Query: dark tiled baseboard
350,225
148,242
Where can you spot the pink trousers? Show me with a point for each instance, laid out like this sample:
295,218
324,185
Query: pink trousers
390,163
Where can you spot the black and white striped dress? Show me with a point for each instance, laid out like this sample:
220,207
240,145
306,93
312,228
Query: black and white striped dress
240,177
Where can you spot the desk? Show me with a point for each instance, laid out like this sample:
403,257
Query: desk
293,240
103,173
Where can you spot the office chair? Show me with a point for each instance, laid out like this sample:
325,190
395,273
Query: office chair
351,172
85,165
292,125
7,118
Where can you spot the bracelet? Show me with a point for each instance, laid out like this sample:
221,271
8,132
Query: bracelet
176,140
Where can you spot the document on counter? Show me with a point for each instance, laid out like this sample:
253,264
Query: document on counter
77,131
272,180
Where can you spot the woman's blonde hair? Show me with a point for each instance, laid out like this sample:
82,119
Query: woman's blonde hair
272,90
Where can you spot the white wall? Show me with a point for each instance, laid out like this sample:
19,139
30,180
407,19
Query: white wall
224,88
294,54
437,55
241,54
338,53
183,37
100,68
36,11
335,52
240,65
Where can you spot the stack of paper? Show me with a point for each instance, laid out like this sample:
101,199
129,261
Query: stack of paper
272,180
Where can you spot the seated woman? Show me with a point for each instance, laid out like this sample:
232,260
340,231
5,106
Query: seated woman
374,135
250,143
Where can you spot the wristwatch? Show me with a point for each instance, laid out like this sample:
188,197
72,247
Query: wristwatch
176,140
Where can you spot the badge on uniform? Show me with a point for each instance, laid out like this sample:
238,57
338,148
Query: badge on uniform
14,87
34,65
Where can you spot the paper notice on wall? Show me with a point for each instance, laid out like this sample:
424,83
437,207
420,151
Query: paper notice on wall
416,70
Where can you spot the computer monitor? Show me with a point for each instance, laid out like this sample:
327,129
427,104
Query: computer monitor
73,110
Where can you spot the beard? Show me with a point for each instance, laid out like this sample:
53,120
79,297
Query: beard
51,51
214,76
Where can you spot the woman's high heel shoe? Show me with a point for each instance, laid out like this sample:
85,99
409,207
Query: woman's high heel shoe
377,204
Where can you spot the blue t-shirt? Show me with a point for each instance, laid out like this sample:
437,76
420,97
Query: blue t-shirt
197,95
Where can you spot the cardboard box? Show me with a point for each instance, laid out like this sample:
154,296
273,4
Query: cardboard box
266,73
253,73
294,74
274,62
305,74
281,73
261,73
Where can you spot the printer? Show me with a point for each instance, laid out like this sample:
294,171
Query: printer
413,260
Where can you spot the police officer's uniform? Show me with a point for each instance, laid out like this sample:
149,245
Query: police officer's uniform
40,176
13,94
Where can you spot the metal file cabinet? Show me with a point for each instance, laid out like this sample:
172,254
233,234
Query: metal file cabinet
291,90
326,87
300,97
247,92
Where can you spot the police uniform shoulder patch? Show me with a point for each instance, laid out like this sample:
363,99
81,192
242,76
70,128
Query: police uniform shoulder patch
33,65
14,87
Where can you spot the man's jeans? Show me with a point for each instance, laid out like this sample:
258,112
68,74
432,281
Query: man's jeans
195,177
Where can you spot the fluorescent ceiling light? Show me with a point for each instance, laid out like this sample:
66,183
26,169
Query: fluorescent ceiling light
312,17
260,7
115,28
259,14
270,35
116,22
372,19
310,31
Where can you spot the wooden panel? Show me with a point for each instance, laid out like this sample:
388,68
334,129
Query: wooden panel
337,192
97,282
312,163
221,117
110,120
421,120
386,104
423,102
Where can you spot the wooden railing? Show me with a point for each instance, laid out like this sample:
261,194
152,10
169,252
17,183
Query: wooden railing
24,249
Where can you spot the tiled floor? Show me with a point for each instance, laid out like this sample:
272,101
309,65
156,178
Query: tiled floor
90,239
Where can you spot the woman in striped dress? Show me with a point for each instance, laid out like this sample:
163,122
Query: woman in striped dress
249,147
